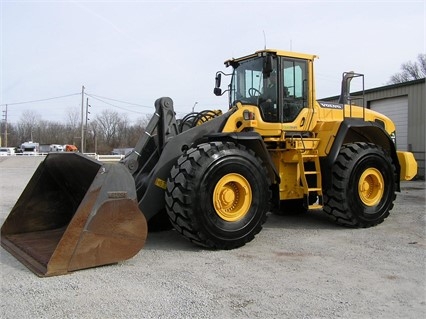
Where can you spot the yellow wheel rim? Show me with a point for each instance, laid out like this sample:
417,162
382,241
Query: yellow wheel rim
371,187
232,197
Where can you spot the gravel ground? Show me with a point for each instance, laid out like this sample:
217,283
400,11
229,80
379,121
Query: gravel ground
297,267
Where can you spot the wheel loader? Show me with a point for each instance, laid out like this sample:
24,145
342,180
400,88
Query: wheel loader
214,177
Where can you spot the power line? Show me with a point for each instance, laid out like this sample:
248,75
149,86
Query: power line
113,105
94,96
115,100
99,98
41,100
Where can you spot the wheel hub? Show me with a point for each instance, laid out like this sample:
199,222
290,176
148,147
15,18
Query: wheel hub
232,197
371,187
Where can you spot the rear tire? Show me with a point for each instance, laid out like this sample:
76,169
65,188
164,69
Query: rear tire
218,195
363,186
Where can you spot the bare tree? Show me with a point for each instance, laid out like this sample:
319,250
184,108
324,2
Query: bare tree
73,118
28,125
123,132
92,136
410,71
137,130
143,121
51,133
73,125
12,135
110,126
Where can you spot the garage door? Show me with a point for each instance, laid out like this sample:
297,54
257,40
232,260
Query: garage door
397,110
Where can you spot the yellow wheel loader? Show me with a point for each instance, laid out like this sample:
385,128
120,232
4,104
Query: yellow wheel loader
213,176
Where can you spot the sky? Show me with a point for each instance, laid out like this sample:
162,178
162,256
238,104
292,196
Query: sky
127,54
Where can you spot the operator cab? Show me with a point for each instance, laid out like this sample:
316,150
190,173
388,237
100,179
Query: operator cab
277,84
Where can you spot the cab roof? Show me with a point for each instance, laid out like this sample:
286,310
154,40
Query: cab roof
283,53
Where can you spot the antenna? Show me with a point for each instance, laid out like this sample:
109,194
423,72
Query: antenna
264,38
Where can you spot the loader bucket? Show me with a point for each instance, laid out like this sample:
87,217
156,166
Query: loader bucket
75,213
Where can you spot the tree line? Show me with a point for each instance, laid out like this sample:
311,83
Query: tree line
106,131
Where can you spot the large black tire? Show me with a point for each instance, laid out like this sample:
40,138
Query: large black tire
218,195
363,187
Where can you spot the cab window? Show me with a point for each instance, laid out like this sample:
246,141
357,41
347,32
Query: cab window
294,81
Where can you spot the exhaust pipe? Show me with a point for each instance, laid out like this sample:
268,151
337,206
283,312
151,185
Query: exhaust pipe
75,213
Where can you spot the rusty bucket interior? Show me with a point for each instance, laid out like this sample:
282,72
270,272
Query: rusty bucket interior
75,213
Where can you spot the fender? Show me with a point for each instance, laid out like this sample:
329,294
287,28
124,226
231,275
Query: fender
358,130
253,141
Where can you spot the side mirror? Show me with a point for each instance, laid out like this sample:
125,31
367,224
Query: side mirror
218,79
217,91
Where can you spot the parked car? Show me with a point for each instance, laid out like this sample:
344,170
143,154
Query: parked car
56,148
7,151
30,148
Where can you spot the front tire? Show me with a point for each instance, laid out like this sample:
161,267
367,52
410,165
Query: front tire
218,195
363,186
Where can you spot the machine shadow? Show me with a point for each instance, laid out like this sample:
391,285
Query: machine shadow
315,219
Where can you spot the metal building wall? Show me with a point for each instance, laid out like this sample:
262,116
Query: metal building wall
416,93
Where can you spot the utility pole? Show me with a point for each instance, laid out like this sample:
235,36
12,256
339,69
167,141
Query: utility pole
82,119
5,126
87,118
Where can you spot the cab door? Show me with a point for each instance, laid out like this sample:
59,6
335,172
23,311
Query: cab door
295,94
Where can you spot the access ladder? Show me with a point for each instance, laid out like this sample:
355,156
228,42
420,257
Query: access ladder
307,152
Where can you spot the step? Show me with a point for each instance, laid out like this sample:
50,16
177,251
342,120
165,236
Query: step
315,206
309,155
311,172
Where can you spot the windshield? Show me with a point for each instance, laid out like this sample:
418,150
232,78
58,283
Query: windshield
247,81
278,85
